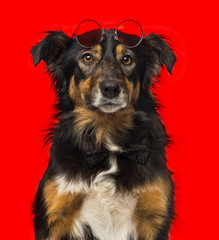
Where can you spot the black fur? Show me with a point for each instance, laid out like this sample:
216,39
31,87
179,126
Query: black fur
61,54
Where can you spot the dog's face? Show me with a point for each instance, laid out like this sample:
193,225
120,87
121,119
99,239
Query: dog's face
107,77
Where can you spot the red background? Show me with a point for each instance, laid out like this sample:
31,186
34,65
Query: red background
190,97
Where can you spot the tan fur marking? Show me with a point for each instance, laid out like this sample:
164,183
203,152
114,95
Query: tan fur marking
105,126
120,49
72,91
136,92
130,87
62,210
77,94
97,51
151,208
84,87
133,93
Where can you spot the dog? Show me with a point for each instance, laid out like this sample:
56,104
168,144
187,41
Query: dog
107,177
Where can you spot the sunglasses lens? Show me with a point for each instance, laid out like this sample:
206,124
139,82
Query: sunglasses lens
89,33
134,31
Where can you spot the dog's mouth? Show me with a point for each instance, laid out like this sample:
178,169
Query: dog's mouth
111,107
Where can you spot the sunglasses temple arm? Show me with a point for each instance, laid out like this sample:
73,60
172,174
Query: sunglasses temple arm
102,37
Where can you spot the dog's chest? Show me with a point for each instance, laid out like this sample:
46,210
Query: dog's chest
106,212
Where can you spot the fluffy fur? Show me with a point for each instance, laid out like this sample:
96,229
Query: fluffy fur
107,176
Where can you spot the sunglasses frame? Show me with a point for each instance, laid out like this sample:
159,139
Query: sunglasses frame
102,34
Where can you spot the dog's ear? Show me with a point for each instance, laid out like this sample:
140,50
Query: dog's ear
50,48
157,53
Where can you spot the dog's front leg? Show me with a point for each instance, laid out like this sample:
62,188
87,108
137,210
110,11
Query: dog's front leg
153,212
62,209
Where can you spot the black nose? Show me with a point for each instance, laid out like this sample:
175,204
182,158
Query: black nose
110,88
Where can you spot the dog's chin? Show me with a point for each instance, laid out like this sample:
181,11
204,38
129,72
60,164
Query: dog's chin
112,108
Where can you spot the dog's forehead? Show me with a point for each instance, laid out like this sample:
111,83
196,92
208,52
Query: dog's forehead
109,35
109,42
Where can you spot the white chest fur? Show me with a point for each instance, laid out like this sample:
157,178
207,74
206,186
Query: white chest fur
106,212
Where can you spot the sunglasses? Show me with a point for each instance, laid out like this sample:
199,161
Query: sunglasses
89,33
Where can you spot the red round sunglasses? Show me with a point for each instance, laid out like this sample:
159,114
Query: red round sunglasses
89,33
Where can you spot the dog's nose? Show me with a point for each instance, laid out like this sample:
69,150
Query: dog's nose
110,88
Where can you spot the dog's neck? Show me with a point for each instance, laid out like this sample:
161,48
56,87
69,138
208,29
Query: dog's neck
107,128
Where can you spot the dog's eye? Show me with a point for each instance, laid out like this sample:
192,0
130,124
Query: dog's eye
127,59
87,58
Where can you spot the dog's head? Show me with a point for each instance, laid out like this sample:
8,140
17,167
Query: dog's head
107,77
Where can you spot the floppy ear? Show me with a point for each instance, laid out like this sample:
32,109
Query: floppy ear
50,48
157,53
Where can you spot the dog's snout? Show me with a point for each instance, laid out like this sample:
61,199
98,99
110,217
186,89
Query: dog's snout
110,88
